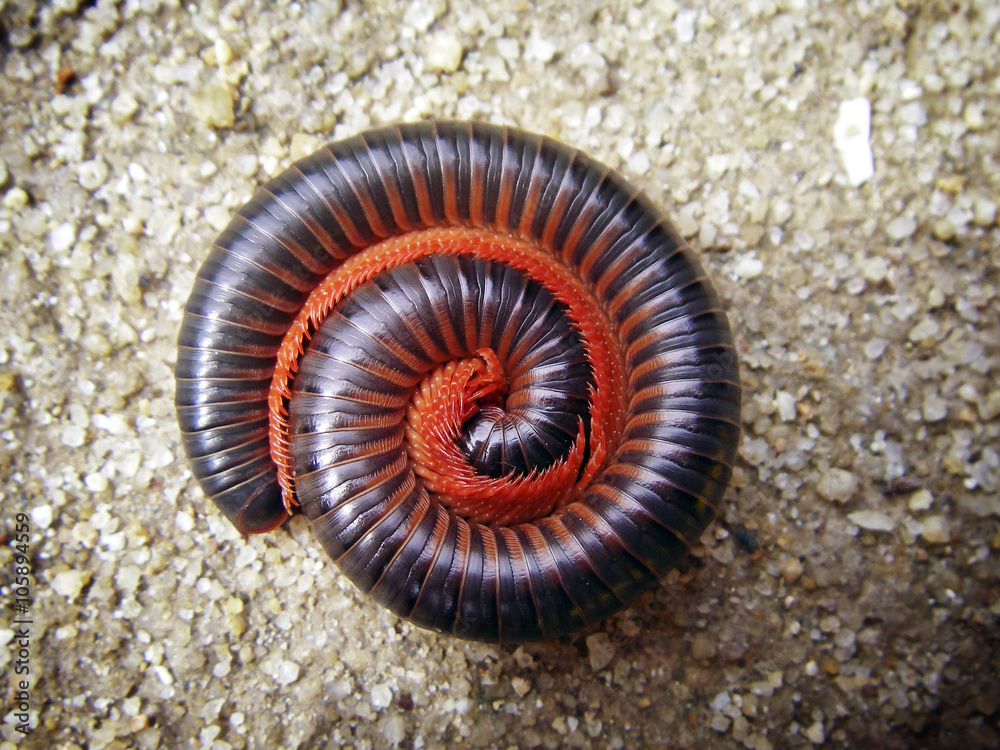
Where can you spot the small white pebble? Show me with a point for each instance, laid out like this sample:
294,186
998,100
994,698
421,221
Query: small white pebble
62,237
521,686
815,734
720,701
600,650
68,583
874,269
184,522
901,227
163,674
984,212
785,403
303,144
116,424
246,555
926,330
875,348
95,482
638,163
123,107
974,115
936,530
721,724
131,706
748,267
873,520
288,672
15,199
686,224
684,26
217,217
92,174
213,105
539,49
137,172
127,578
935,408
72,436
223,52
420,14
381,696
838,484
41,516
66,633
393,729
920,500
851,134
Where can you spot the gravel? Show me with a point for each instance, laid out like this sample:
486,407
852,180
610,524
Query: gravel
863,295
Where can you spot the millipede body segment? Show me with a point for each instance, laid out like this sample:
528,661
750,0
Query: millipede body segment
485,368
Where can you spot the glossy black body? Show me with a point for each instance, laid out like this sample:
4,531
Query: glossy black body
530,581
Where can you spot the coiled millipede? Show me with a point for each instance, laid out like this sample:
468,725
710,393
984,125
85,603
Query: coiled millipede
518,403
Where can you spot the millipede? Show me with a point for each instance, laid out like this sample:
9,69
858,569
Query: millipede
486,369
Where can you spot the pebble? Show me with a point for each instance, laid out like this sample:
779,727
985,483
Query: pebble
984,212
875,347
815,734
302,145
72,436
790,568
69,583
600,651
127,578
684,26
748,267
721,701
920,500
851,134
123,108
721,724
935,408
214,105
381,696
393,729
838,484
926,330
41,516
874,269
95,482
901,228
92,174
15,199
288,672
784,403
539,49
687,226
873,520
520,686
935,530
974,115
62,238
444,53
989,408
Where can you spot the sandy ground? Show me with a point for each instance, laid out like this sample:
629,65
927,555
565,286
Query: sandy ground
847,596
